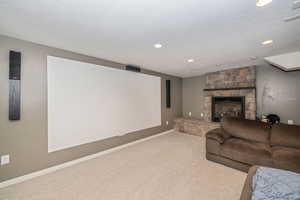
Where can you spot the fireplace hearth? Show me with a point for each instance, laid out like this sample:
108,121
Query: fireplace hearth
232,106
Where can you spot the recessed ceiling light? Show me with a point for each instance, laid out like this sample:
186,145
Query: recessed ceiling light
267,42
261,3
158,45
190,60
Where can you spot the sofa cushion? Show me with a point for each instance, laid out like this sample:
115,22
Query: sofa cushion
247,152
286,158
247,129
285,135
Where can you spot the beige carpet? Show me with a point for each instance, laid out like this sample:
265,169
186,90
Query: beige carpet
168,167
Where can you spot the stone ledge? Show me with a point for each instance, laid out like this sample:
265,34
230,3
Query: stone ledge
194,126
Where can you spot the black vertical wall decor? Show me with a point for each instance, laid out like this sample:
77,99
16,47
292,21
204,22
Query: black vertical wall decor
14,85
168,93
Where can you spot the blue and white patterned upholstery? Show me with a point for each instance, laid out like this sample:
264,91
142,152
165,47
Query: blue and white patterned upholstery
275,184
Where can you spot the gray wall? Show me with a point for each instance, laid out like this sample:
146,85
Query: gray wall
26,140
193,96
277,92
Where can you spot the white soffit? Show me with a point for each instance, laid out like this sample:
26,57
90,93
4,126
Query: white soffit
287,62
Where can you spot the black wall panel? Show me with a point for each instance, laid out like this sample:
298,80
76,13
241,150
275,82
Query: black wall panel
168,93
14,85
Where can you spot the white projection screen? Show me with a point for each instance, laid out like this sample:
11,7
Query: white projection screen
88,102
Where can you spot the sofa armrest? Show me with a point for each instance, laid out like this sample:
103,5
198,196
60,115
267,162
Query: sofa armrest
247,189
216,134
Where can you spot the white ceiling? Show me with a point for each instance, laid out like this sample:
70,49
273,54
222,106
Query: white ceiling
213,32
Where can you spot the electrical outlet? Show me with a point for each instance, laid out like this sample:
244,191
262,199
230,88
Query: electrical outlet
290,122
190,114
167,123
5,160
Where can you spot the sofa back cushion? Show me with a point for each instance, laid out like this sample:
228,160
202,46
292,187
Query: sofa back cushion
285,135
247,129
286,158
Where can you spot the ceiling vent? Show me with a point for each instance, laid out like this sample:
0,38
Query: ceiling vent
291,18
295,6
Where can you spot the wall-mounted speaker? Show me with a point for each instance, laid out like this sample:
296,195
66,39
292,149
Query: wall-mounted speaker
14,65
132,68
168,93
14,85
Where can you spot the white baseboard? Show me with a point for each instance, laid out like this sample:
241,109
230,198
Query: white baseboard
73,162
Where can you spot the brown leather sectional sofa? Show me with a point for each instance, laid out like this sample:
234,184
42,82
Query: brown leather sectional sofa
241,143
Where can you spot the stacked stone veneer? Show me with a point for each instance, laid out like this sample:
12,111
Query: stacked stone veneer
242,78
194,126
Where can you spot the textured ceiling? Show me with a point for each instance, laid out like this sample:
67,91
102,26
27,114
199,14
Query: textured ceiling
218,34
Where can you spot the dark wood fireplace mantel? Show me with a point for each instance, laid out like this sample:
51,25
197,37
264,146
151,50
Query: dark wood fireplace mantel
235,88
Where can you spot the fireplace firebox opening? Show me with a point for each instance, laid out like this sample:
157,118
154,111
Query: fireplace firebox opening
233,106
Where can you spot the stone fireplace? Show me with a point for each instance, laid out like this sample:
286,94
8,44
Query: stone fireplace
230,93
